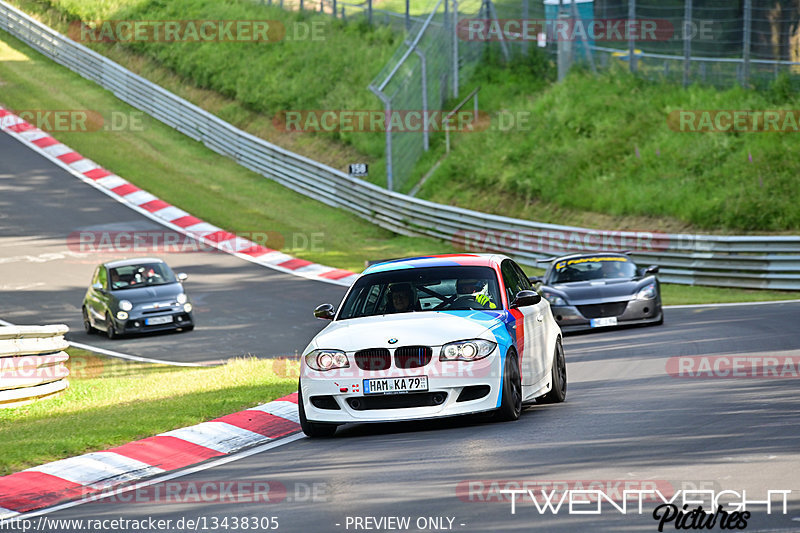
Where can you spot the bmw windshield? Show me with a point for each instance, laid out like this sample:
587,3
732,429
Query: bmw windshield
422,289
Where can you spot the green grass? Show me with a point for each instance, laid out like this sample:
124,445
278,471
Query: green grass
672,294
110,402
599,147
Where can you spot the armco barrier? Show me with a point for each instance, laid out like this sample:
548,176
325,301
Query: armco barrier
741,261
32,363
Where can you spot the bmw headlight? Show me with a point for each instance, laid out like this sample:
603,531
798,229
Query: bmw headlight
470,350
182,298
555,300
647,293
326,359
125,305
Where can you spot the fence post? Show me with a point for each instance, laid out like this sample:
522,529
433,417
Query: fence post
425,132
369,11
748,8
335,14
564,50
408,15
455,48
301,5
687,41
524,17
631,37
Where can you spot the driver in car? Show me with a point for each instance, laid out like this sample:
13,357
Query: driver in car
401,298
477,289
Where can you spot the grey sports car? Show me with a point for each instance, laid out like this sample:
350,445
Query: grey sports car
599,290
136,296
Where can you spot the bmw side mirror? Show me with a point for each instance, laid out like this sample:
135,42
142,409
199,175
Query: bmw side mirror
325,312
526,298
652,269
183,276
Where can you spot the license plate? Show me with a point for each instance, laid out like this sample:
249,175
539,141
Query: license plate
156,320
395,385
601,322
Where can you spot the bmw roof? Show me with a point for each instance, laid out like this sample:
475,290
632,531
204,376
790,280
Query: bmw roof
436,261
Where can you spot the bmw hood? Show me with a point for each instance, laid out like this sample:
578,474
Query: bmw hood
426,328
607,290
154,293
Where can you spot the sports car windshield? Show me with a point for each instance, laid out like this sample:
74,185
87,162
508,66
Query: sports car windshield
422,289
143,275
592,268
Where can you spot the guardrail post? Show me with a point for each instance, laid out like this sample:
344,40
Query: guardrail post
687,41
748,13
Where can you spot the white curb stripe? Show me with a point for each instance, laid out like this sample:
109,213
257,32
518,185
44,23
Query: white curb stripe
105,468
84,165
7,513
283,409
170,213
56,150
219,436
33,135
111,182
140,197
202,229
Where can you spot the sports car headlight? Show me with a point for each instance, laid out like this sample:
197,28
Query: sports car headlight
470,350
647,293
125,305
554,300
181,298
122,315
326,360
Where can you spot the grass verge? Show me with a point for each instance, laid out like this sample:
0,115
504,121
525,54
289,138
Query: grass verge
111,401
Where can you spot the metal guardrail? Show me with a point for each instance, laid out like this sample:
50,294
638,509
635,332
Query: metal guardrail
768,262
32,363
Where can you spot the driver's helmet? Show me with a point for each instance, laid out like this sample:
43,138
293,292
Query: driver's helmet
469,286
402,288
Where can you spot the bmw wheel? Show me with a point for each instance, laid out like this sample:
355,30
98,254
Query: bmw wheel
511,404
312,429
559,377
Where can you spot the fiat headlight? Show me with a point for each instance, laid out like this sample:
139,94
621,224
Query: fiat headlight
122,315
323,360
470,350
182,298
125,305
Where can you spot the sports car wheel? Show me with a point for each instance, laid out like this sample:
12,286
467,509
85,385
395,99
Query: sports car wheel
511,404
559,376
111,333
87,325
312,429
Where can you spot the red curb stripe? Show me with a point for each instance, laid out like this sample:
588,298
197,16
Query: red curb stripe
19,128
70,157
97,173
219,236
336,274
186,221
166,452
44,142
256,250
294,264
260,422
154,205
28,490
289,398
124,190
3,112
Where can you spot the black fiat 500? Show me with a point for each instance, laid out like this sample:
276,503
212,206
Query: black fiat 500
134,296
